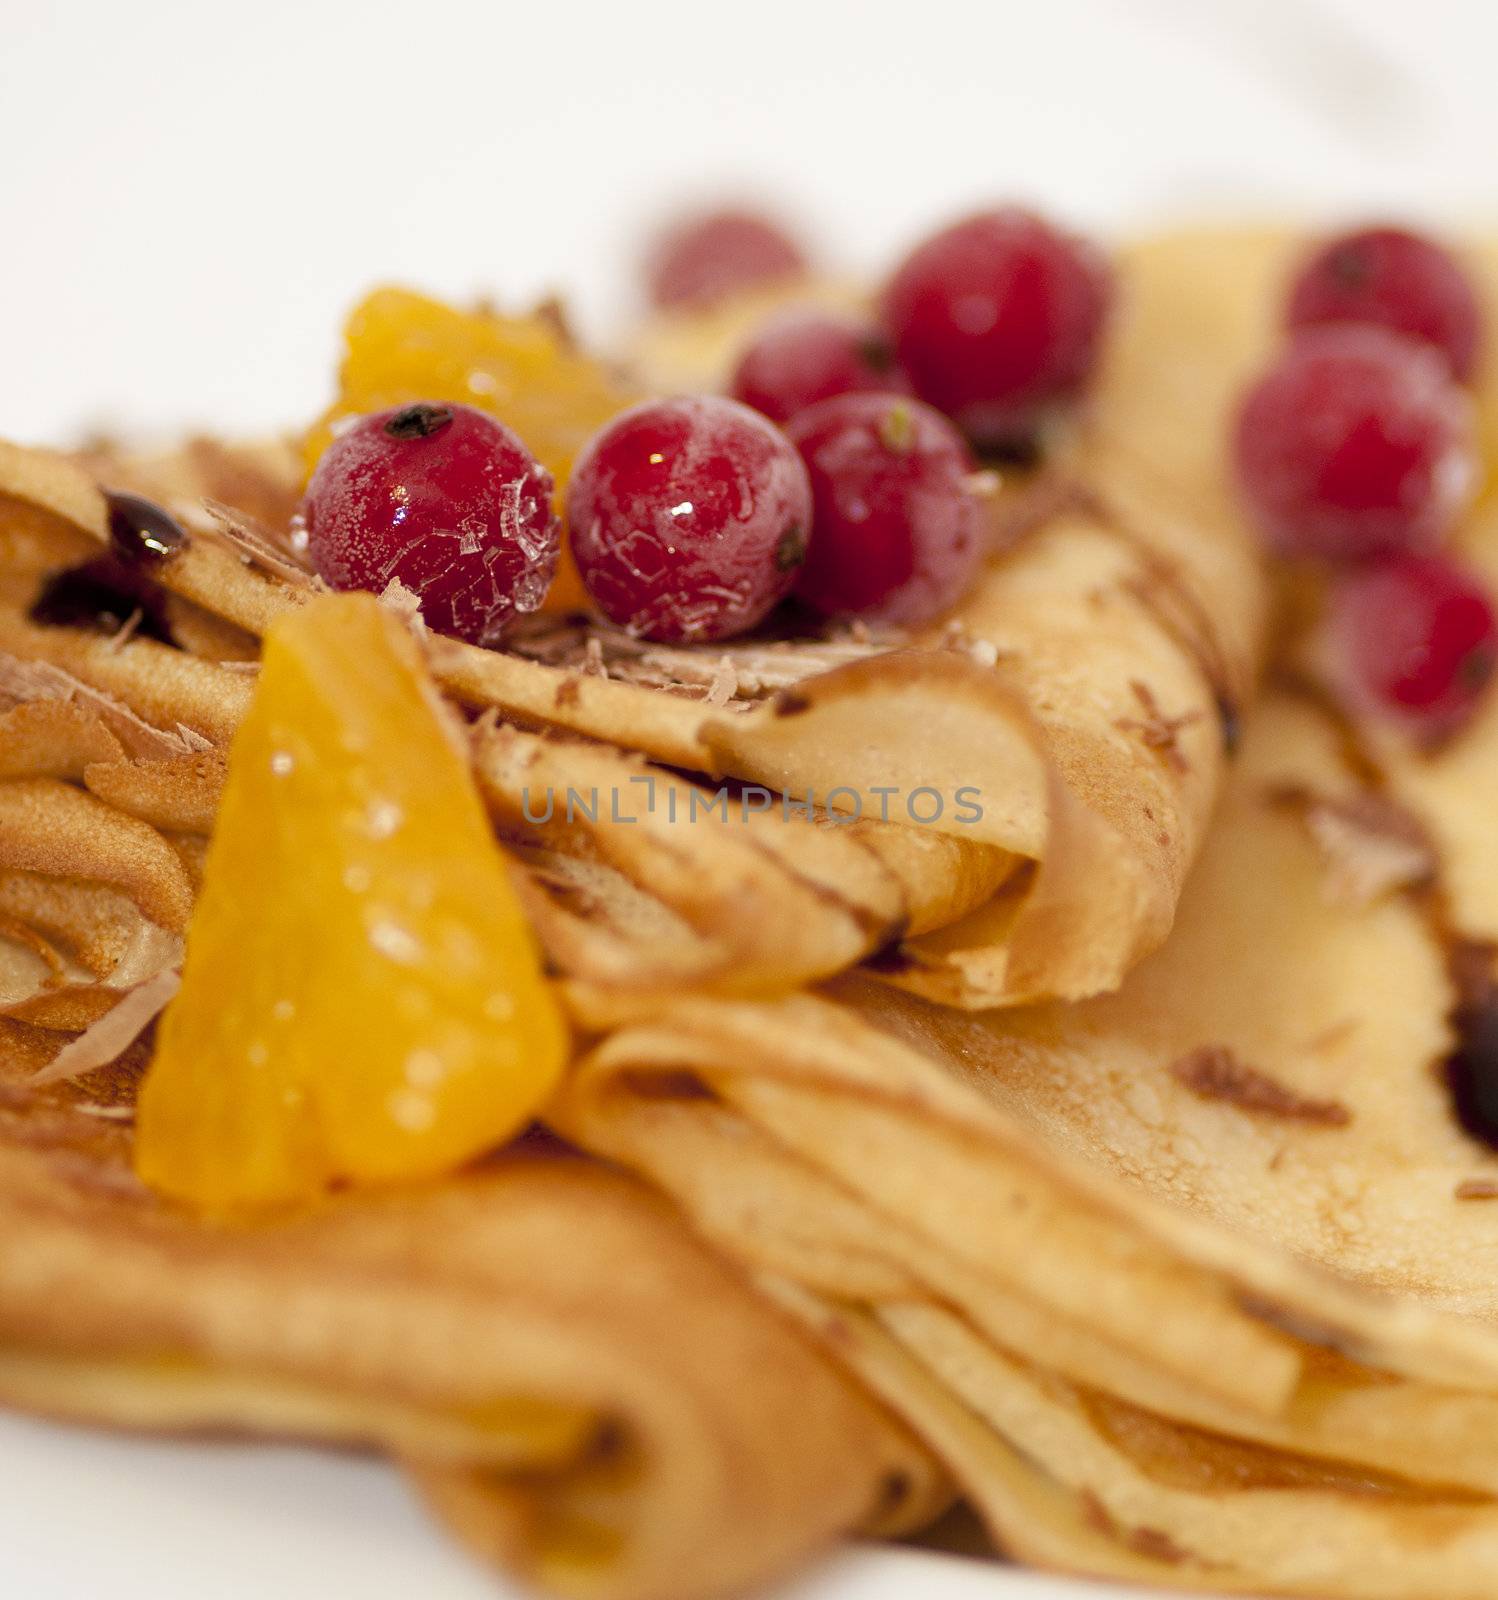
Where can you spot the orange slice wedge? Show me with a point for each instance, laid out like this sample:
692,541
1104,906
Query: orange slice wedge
362,1000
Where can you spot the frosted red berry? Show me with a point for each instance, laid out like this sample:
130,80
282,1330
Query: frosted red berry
801,357
688,518
709,257
997,319
897,524
1394,279
1414,639
447,501
1355,443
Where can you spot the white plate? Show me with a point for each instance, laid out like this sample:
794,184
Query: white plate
85,1513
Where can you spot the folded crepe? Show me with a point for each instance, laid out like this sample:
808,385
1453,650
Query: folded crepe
1191,1284
580,1389
1091,687
730,832
1204,1266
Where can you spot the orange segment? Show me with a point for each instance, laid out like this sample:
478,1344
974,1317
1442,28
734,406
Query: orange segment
402,347
362,1000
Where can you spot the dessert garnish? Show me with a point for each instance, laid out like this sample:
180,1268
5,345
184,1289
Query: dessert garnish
707,258
1396,279
689,518
1357,448
141,532
444,501
362,998
106,595
1356,442
998,318
401,348
895,517
1415,640
802,356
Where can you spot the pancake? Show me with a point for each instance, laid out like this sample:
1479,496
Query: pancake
581,1391
1144,1356
1054,745
1258,1227
1190,1284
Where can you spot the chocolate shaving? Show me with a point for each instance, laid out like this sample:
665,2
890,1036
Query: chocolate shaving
758,668
1477,1189
1214,1073
89,1108
108,1038
1230,715
1152,1543
1290,1319
22,681
256,544
405,603
1371,846
1155,1545
681,1085
1157,731
956,638
724,685
127,629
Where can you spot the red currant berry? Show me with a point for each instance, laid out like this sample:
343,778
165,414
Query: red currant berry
708,258
1414,639
1397,280
689,518
898,527
444,499
1355,443
998,318
801,357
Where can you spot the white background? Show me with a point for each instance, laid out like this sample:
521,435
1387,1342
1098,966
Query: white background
192,193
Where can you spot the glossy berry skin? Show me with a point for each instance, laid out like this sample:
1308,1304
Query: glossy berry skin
710,257
1394,279
1414,640
801,357
997,319
689,518
447,501
898,529
1355,443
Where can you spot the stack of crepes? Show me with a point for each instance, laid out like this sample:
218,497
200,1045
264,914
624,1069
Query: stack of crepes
1163,1243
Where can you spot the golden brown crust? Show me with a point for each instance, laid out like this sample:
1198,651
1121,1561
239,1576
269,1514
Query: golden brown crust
1215,1073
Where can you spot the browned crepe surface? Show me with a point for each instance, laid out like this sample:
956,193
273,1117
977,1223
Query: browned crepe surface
1190,1284
582,1390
